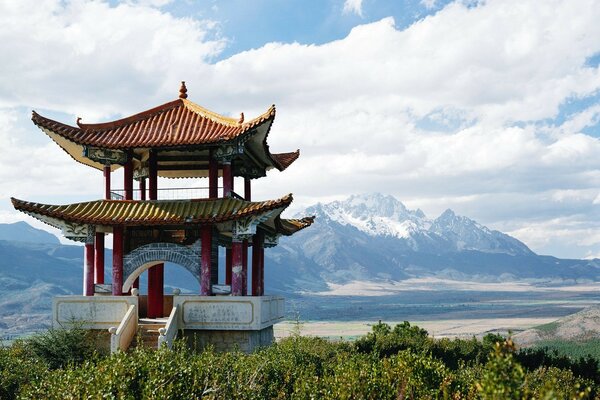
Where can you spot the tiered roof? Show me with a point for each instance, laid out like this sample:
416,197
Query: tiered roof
161,212
178,127
184,138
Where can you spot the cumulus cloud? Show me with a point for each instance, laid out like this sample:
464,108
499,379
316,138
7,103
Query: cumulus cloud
454,110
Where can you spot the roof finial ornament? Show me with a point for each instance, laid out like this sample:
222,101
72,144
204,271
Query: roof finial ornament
183,91
241,120
78,120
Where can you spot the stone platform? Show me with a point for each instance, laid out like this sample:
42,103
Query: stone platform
225,322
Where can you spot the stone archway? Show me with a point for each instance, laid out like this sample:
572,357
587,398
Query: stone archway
146,256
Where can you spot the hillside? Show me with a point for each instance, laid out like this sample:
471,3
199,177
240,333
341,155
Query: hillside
579,327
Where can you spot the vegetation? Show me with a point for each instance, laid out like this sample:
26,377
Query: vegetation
571,348
400,362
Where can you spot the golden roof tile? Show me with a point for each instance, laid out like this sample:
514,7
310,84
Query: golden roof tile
153,212
179,122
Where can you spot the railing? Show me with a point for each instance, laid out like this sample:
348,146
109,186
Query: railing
121,337
168,193
174,194
169,332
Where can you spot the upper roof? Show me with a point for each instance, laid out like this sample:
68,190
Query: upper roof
176,123
179,126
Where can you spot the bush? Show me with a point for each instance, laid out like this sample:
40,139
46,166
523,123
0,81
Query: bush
297,368
18,366
60,347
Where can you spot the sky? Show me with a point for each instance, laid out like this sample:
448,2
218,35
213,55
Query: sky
490,108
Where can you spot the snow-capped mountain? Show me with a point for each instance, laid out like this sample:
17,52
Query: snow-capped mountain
374,237
374,214
380,215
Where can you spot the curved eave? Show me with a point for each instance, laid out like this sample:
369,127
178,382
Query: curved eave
257,143
178,212
288,227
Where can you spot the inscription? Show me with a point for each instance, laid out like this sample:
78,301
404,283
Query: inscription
226,313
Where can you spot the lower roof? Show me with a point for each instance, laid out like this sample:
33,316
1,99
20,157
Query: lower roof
152,212
163,212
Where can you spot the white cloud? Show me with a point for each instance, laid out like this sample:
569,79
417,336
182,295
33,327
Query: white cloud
429,4
426,113
353,7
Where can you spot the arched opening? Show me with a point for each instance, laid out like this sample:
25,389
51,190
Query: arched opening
157,254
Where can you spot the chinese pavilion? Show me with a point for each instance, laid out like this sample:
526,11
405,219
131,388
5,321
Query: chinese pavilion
178,139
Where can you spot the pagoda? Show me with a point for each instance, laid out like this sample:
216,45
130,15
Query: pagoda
150,226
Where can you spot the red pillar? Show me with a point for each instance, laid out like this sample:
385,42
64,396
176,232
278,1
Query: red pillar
156,272
261,264
237,276
142,188
128,178
152,176
107,182
227,179
257,246
155,291
88,269
205,258
245,267
228,266
247,189
99,258
117,270
213,177
136,283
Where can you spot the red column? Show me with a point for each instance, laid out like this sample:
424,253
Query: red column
247,189
142,188
245,267
261,269
237,276
205,265
136,283
261,274
155,291
228,266
117,270
152,176
257,246
213,177
227,179
151,302
107,182
156,272
88,269
128,178
99,258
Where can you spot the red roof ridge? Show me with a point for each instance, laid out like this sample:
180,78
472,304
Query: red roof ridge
132,118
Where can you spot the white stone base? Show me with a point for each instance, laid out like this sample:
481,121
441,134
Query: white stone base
232,313
90,312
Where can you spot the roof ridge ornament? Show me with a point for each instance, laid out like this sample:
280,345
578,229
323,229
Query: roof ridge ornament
241,120
183,91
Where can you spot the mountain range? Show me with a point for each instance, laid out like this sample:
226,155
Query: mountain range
365,238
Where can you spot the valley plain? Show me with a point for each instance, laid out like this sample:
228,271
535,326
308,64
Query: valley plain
457,310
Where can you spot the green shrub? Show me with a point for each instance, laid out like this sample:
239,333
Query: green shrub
60,347
18,366
301,368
